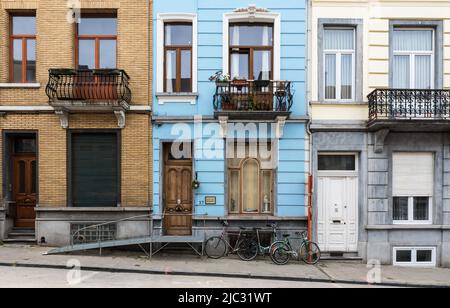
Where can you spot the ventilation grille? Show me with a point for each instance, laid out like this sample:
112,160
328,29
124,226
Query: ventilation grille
92,235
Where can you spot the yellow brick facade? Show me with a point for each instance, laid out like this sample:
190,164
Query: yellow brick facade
56,49
376,15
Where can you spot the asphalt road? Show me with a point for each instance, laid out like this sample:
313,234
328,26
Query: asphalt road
11,277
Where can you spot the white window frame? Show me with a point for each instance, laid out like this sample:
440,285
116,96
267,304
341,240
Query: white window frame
352,173
162,19
250,16
413,54
411,220
414,262
339,53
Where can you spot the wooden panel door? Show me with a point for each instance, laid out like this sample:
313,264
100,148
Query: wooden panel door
24,189
178,199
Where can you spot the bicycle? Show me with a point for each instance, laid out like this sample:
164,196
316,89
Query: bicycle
282,251
217,247
256,248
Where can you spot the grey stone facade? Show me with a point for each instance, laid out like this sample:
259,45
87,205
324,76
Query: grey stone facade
377,233
2,223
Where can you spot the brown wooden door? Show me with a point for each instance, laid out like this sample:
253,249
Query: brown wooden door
24,189
178,198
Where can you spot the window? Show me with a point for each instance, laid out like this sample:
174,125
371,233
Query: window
339,63
333,162
413,188
178,57
417,256
413,58
97,42
23,49
250,178
251,51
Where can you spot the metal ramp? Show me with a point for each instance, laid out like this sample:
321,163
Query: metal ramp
198,238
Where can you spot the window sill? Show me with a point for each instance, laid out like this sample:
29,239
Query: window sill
339,103
185,97
20,85
408,227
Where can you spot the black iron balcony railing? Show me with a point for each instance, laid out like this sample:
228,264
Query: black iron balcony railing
398,104
109,86
248,96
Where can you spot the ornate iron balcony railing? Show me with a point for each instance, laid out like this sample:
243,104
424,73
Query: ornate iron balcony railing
248,96
110,86
398,104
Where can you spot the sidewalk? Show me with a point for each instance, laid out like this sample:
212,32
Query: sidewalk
186,265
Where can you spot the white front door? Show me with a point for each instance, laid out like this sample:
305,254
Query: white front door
337,200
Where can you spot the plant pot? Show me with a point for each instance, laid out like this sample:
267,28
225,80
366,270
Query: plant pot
222,84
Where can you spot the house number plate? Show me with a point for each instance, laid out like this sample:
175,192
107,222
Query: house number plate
210,200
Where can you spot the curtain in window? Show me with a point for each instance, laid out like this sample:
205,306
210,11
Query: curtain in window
401,72
346,76
423,72
171,62
339,39
265,56
251,183
413,40
330,76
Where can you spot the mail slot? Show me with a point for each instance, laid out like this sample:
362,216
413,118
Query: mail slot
337,221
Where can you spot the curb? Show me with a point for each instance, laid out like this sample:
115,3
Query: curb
219,275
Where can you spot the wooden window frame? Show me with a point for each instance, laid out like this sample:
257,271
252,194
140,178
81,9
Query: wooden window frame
261,172
178,49
251,49
96,38
25,39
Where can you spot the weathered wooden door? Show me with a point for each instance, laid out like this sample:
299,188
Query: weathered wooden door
24,189
177,196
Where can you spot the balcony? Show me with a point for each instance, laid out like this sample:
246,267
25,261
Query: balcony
254,100
409,110
74,90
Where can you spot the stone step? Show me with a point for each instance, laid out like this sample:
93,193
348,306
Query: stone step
19,241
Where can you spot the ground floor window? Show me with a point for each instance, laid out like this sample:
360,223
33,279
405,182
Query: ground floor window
414,256
413,184
94,180
250,177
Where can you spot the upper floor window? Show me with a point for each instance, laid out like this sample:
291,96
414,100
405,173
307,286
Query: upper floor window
413,58
251,51
97,42
23,49
339,63
178,43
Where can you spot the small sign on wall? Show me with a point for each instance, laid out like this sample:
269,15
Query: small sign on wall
210,200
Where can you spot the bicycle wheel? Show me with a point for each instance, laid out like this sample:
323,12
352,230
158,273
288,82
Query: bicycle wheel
215,247
247,250
281,255
310,253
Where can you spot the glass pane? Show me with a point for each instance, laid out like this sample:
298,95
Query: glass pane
262,65
17,65
400,208
404,256
86,56
251,183
171,71
22,176
97,26
267,191
421,208
178,35
347,77
24,145
424,256
423,72
401,72
108,54
239,65
33,177
24,25
330,76
251,35
337,163
31,60
234,191
186,71
339,39
413,40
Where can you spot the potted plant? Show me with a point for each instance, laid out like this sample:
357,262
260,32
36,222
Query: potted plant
195,184
221,79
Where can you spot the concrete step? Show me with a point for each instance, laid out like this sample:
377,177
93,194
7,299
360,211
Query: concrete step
19,241
341,257
21,234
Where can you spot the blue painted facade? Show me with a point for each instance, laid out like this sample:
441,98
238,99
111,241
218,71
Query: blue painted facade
211,172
